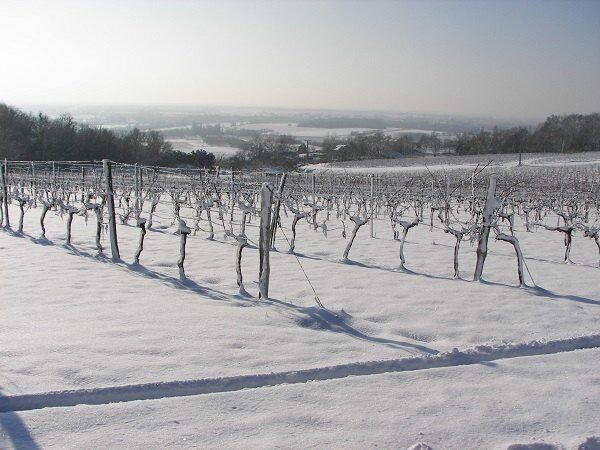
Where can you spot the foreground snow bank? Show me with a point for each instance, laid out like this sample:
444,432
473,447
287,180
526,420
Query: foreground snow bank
548,398
479,354
590,443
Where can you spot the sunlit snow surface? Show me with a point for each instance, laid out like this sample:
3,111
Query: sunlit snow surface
73,319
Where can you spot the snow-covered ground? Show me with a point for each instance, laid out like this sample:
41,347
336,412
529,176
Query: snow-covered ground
188,145
552,399
456,162
318,133
292,129
97,353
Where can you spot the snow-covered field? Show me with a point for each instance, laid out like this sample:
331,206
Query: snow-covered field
97,353
188,145
464,162
292,129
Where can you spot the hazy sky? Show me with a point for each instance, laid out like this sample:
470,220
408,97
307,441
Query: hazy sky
521,58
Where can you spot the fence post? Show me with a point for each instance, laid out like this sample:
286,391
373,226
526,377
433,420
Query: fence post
264,245
136,188
275,218
3,171
141,188
82,184
491,205
372,176
32,185
110,204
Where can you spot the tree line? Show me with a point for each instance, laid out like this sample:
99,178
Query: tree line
37,137
40,138
558,134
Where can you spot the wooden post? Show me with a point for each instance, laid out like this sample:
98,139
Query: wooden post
82,184
141,190
232,197
4,194
53,185
275,218
372,176
266,197
136,188
110,203
491,205
32,186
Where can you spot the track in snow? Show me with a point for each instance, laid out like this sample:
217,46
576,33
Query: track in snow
151,391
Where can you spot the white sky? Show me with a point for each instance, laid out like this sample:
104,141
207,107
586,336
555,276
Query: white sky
523,59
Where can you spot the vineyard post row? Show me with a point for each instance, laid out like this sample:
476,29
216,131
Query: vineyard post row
463,201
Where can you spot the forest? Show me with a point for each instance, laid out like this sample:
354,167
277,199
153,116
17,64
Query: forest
39,138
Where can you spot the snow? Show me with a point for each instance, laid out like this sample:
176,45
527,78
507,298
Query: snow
292,129
188,145
221,150
522,400
395,358
456,162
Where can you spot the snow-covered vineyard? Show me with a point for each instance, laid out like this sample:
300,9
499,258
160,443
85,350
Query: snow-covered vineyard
461,307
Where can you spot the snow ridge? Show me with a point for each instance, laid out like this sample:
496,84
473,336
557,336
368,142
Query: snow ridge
151,391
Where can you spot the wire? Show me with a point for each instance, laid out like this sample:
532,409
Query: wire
317,299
